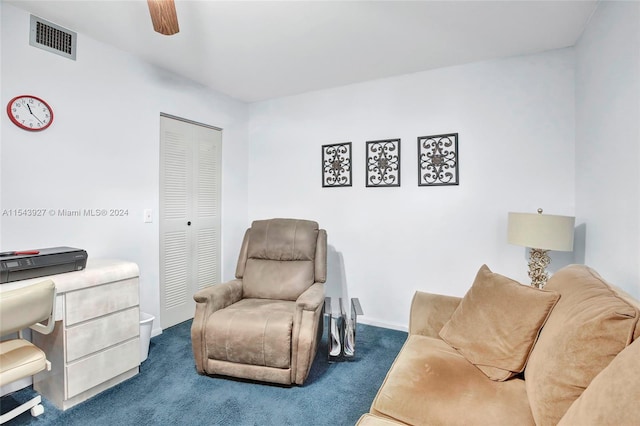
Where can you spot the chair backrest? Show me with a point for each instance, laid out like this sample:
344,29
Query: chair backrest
28,307
281,258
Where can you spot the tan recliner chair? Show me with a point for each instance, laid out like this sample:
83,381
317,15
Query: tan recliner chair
266,324
21,308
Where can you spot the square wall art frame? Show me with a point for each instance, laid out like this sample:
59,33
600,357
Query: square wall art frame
438,160
336,165
383,163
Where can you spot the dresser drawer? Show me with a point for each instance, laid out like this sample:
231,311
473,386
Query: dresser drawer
92,336
91,371
93,302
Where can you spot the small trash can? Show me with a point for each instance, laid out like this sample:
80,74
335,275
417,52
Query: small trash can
146,323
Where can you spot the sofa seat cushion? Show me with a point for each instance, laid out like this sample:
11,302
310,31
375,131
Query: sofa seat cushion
252,331
613,397
591,323
498,322
431,383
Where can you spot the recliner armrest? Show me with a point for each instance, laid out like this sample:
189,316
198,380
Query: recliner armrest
208,300
312,297
220,295
307,331
429,312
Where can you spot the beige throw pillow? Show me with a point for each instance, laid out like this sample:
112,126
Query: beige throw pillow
497,323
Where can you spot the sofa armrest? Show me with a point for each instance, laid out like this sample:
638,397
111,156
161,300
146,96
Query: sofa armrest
208,300
429,312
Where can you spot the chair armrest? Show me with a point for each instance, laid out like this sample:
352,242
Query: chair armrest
311,298
48,326
429,312
307,331
220,295
208,300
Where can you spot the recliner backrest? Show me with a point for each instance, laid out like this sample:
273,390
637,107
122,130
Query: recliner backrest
281,258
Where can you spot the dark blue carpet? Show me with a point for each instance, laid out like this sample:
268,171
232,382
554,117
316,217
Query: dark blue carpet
169,391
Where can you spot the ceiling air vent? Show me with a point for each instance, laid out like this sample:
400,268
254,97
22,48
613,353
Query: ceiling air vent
53,38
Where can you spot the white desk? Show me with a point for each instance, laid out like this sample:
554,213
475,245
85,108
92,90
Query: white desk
95,344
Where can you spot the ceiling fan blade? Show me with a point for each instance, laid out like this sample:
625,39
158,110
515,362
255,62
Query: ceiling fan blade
164,16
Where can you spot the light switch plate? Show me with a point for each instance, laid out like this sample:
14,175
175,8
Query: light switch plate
148,216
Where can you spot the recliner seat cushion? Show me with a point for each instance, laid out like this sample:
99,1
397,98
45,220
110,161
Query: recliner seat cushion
252,331
430,383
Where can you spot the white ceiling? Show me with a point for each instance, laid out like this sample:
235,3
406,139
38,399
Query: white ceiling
257,50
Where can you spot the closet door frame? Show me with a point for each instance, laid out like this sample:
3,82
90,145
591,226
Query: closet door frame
189,214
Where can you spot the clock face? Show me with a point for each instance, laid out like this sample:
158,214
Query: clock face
30,112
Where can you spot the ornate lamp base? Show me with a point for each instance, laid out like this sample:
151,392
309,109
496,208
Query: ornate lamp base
538,262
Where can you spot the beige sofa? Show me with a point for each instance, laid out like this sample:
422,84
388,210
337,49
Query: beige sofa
509,354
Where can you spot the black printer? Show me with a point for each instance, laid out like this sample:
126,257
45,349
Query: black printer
22,265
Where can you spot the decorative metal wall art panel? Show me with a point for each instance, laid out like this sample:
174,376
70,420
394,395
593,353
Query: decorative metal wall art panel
336,164
438,160
383,163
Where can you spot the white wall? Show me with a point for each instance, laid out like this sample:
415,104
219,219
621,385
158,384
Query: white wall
608,142
515,119
102,151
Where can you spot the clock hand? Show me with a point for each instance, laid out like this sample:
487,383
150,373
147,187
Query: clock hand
34,114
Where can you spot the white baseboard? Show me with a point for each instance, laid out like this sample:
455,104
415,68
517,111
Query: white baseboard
372,321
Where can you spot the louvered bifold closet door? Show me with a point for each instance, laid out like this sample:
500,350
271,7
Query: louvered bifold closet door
207,208
189,215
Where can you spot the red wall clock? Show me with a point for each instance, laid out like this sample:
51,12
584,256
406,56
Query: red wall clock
30,113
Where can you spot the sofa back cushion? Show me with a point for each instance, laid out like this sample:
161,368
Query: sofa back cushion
613,397
591,323
497,323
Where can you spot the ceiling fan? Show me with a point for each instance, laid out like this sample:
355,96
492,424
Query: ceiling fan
164,16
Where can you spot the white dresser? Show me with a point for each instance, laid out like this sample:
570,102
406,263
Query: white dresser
95,344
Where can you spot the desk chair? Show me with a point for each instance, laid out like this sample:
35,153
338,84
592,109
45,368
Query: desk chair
21,308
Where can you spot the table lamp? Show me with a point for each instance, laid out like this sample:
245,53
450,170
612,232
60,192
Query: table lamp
541,233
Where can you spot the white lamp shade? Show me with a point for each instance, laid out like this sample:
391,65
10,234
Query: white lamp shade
541,231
